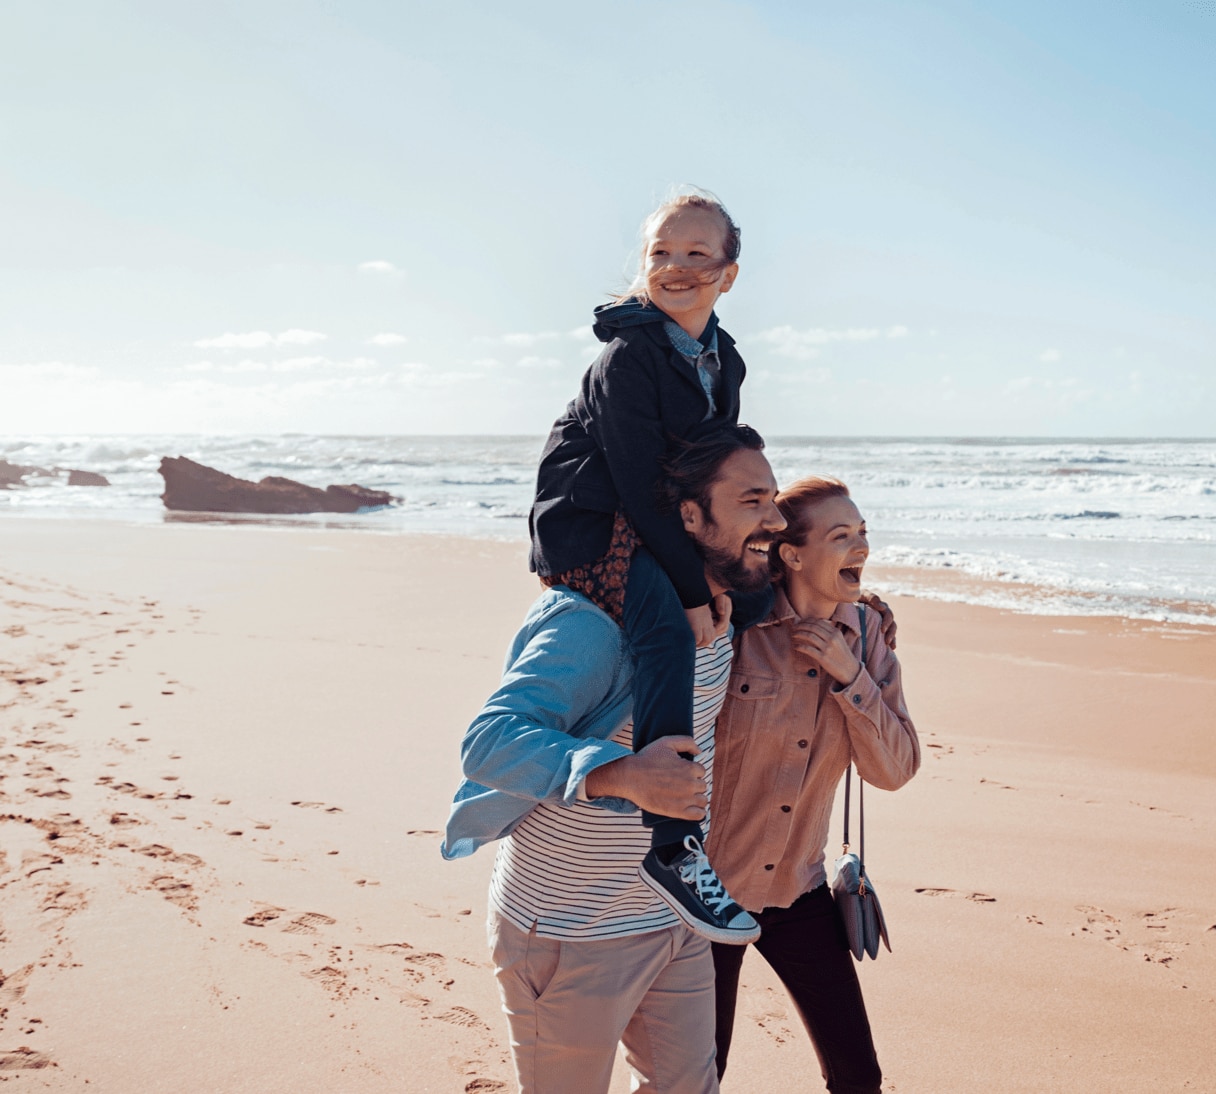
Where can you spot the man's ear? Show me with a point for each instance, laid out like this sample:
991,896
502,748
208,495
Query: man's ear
691,515
789,555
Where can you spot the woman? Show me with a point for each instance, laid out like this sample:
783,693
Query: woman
800,708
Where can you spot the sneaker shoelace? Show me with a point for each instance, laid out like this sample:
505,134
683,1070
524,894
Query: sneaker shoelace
698,873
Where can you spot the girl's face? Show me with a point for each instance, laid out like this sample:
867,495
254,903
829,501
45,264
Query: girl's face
683,266
825,569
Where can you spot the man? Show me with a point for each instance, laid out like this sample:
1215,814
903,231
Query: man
586,954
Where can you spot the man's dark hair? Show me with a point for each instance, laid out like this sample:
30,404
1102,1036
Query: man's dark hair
691,467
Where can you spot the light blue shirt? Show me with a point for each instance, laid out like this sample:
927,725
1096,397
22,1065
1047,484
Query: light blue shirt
703,358
567,686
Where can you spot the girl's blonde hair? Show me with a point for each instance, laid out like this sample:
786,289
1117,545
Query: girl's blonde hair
690,198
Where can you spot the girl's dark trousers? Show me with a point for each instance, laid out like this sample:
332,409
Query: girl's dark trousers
664,660
806,947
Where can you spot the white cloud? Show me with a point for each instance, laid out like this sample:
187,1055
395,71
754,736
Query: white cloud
529,338
378,265
261,339
539,362
388,338
1049,355
805,344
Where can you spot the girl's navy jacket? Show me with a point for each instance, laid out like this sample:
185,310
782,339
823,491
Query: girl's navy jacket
604,453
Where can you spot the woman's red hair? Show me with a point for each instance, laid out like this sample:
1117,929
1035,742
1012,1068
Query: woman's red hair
795,504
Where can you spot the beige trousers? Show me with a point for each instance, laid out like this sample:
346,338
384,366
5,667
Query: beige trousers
568,1004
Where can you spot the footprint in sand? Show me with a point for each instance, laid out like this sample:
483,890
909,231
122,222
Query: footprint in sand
333,980
484,1086
1100,924
1158,950
176,891
978,898
266,914
318,805
308,923
24,1059
462,1016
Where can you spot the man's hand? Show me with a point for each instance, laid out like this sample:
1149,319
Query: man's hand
701,620
657,779
824,643
874,601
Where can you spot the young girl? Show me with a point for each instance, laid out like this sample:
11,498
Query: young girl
667,374
808,695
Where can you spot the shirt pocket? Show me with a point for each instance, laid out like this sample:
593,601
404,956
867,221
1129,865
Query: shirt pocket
751,700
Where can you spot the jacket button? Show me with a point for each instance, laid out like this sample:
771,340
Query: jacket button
802,744
785,809
769,866
856,698
745,689
812,672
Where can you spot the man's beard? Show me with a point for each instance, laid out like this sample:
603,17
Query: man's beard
731,571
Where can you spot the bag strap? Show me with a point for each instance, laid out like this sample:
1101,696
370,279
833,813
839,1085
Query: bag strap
848,780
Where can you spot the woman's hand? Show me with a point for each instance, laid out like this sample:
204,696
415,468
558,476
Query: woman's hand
886,616
823,642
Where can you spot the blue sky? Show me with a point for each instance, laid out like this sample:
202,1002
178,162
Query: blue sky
362,217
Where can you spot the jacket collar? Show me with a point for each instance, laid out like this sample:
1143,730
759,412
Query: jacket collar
845,615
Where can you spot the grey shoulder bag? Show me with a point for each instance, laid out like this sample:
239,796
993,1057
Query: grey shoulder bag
856,901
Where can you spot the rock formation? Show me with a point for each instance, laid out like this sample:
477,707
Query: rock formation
196,488
15,474
86,478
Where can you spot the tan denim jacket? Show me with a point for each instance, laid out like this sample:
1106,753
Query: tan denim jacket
784,739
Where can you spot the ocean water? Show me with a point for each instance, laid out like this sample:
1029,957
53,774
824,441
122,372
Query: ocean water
1092,527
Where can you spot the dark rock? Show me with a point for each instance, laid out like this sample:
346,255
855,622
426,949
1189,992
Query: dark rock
13,474
195,488
86,478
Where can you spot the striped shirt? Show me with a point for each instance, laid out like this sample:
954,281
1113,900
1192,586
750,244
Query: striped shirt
572,871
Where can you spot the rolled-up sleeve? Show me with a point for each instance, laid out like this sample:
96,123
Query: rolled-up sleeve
520,743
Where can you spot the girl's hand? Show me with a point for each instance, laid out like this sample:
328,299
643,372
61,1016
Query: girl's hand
701,621
824,643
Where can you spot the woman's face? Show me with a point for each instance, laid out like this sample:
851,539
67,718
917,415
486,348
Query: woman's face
826,567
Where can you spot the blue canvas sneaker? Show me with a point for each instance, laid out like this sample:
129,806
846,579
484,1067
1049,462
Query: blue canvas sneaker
691,886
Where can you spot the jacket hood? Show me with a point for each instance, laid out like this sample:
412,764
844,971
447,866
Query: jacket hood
631,312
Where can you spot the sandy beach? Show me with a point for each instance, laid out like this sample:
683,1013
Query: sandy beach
226,755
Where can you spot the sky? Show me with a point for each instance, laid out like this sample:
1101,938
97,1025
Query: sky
385,216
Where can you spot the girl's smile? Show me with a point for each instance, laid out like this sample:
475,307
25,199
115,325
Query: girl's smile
685,266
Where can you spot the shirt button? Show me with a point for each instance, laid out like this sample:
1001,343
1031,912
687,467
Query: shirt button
769,866
785,809
856,698
812,672
802,744
745,689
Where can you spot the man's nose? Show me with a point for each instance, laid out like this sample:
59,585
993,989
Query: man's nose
773,520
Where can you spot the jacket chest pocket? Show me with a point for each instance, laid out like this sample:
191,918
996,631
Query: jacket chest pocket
750,700
748,708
